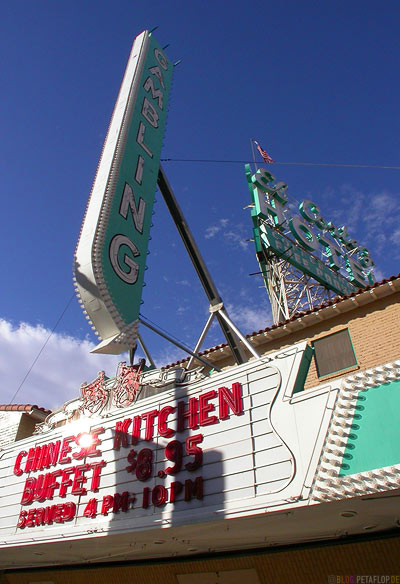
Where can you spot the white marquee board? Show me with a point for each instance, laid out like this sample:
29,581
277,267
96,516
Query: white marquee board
260,452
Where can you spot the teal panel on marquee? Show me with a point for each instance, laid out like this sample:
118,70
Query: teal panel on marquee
110,259
127,294
375,432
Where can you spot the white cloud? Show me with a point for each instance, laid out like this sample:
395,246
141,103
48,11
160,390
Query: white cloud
170,354
249,319
395,237
63,365
235,239
212,231
372,219
236,236
378,274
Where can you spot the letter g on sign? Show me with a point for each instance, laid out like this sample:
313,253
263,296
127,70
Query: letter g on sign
130,276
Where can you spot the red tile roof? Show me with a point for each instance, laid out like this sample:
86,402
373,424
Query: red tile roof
335,300
22,408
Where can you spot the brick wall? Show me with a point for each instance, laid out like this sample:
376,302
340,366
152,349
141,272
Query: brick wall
374,330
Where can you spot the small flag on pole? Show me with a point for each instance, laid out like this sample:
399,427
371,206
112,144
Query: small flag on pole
267,158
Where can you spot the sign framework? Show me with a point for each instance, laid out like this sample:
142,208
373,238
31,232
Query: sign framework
305,260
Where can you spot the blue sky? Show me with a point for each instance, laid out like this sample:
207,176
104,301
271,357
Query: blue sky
312,82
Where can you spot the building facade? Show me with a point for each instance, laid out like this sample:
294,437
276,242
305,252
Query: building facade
283,469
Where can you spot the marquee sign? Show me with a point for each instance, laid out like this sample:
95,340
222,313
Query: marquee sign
240,445
110,258
313,245
229,443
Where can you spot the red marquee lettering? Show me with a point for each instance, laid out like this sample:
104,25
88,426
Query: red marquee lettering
49,456
132,461
137,422
108,502
163,429
30,520
230,400
46,515
22,519
49,514
194,489
69,510
144,466
17,468
192,448
96,466
33,459
52,484
29,491
42,482
159,496
39,520
176,489
58,516
79,479
191,414
91,509
146,497
121,502
92,450
174,452
205,408
149,417
43,455
121,436
65,481
66,449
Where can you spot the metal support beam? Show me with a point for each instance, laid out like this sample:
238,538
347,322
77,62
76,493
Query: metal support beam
171,340
246,343
146,352
201,339
199,265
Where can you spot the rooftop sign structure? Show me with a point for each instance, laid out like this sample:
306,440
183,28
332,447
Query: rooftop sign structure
110,258
306,241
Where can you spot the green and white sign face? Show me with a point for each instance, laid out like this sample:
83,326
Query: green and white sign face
310,243
110,258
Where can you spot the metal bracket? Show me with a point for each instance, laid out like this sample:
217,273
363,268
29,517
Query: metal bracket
174,342
146,352
201,339
246,343
215,307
